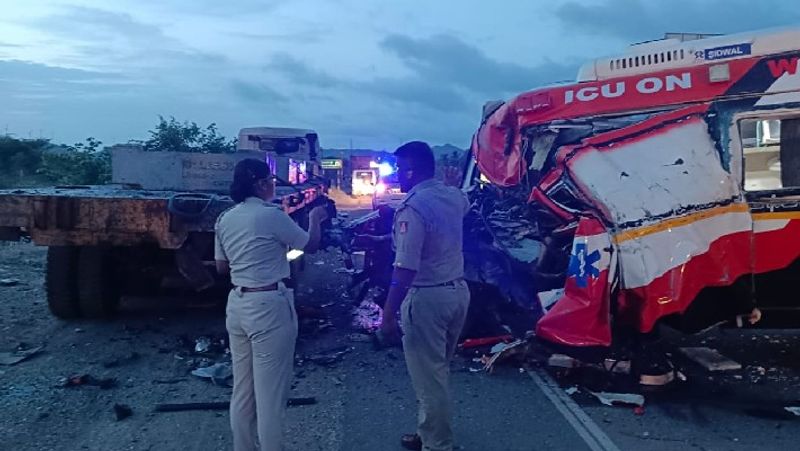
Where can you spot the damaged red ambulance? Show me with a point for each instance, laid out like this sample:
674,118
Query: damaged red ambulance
664,186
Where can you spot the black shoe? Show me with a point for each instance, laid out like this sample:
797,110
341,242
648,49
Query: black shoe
412,442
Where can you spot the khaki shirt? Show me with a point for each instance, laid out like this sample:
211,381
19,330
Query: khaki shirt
254,237
428,232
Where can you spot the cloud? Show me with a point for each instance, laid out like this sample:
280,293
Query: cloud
93,23
413,90
35,80
446,74
302,73
217,8
448,60
114,40
256,93
638,20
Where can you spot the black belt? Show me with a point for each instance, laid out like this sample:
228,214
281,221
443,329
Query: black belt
451,283
272,287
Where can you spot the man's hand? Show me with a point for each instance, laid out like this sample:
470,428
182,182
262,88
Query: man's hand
389,328
389,333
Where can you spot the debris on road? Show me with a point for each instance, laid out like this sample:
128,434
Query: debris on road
617,366
571,391
503,351
562,361
367,316
793,410
224,405
21,353
202,345
86,379
756,374
122,411
486,341
711,359
9,282
220,373
617,399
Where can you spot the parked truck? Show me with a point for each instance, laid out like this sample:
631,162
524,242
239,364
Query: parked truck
152,229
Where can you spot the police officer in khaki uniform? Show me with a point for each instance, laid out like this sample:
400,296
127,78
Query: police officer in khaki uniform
428,280
252,240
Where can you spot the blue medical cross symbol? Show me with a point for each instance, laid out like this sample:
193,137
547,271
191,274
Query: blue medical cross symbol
581,265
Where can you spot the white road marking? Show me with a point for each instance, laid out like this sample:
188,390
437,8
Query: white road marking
587,429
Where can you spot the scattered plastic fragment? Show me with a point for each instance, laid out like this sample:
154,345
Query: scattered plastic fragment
571,391
9,282
711,359
616,399
202,345
18,355
220,373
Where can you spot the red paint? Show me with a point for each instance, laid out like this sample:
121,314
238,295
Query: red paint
582,317
497,144
777,249
486,341
782,66
542,199
727,259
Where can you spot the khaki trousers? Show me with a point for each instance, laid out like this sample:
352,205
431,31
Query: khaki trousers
432,319
262,328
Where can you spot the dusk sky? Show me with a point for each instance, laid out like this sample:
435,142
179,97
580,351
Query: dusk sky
376,73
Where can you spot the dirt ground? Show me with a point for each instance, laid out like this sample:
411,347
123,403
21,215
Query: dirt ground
149,352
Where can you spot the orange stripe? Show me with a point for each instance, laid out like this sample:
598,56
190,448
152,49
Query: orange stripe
679,222
776,215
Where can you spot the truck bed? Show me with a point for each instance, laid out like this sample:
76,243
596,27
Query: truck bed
121,215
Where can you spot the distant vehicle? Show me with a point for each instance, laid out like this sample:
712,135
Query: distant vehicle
387,191
364,182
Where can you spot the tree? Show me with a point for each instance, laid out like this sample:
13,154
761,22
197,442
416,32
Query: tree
173,136
80,164
19,160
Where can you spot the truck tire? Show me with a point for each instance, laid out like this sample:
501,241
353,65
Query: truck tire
98,288
61,282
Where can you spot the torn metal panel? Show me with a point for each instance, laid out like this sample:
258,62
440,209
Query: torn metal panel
582,317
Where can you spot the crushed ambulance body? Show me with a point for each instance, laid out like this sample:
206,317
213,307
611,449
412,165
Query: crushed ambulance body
674,172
